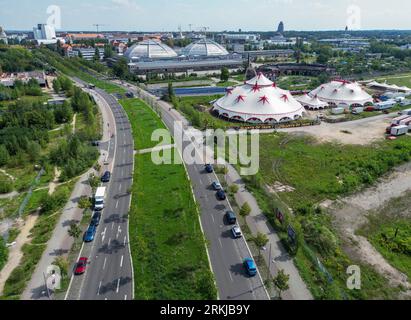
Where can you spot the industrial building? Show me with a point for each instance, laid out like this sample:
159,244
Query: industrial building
272,71
150,49
204,48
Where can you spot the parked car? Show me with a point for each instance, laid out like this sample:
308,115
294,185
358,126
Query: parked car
95,221
90,233
236,231
217,186
231,217
250,267
369,109
106,177
209,168
221,195
95,143
81,266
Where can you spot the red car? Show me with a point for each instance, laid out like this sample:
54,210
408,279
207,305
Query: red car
81,266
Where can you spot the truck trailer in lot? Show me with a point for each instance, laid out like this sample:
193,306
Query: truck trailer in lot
397,121
99,198
399,131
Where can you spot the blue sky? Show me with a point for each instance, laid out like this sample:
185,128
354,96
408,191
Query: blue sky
162,15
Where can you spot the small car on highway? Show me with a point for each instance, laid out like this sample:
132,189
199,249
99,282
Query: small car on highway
106,177
231,217
81,266
250,267
221,195
236,231
90,233
216,186
209,168
95,221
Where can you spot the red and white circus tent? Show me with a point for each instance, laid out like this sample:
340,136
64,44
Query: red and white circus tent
259,100
342,93
312,103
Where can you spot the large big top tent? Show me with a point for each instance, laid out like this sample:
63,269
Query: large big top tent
341,92
259,100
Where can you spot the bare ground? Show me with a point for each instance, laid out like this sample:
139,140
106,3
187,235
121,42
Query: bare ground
351,213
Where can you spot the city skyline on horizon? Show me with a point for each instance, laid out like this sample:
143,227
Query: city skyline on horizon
264,16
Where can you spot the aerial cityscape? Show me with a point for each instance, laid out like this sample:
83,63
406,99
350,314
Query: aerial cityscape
205,156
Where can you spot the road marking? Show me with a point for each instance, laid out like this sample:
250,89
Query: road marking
231,277
125,240
99,287
119,187
212,217
221,244
112,226
125,297
117,204
118,232
109,241
118,285
121,262
105,261
103,234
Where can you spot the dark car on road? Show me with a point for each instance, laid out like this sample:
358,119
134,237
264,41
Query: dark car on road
81,266
106,177
95,221
221,195
90,233
231,217
209,168
250,267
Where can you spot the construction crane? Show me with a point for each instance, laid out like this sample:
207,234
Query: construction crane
97,25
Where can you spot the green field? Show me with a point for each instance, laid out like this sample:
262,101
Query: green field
399,79
143,122
167,245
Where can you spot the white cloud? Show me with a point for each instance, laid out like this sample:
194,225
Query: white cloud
129,4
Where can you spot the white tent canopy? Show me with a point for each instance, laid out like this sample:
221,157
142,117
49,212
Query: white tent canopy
340,92
312,103
259,101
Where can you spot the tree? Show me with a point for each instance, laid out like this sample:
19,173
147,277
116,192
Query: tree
120,68
260,241
281,282
225,74
108,51
74,231
62,264
245,210
4,155
96,55
56,85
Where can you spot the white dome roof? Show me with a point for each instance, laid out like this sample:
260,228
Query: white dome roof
204,47
312,102
342,92
150,49
259,100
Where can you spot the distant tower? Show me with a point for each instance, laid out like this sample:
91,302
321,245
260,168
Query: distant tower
3,36
281,28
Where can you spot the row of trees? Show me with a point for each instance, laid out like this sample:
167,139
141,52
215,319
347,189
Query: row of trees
20,89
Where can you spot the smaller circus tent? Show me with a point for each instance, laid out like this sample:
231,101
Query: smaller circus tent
259,100
342,93
312,103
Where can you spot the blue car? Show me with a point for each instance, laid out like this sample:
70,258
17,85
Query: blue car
209,168
250,267
90,233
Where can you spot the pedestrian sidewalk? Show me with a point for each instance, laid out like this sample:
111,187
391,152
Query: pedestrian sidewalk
258,222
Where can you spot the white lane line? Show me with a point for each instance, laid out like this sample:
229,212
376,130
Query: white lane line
109,241
221,244
103,234
231,277
104,265
125,240
118,232
99,287
212,217
121,262
117,204
119,187
118,286
125,297
112,226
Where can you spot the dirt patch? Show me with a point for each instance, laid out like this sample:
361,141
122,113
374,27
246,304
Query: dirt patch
351,213
15,253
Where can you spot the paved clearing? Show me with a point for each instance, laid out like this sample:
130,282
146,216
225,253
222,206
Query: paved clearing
362,132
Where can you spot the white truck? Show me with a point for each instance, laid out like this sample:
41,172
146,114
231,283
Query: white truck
399,130
99,198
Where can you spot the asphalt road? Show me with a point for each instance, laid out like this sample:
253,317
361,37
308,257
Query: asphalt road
226,254
109,275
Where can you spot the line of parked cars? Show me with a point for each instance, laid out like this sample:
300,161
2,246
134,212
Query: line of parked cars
90,233
231,219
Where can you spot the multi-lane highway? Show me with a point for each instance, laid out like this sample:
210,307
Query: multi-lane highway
226,254
109,275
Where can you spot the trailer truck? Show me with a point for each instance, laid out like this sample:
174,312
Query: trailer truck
399,130
99,198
